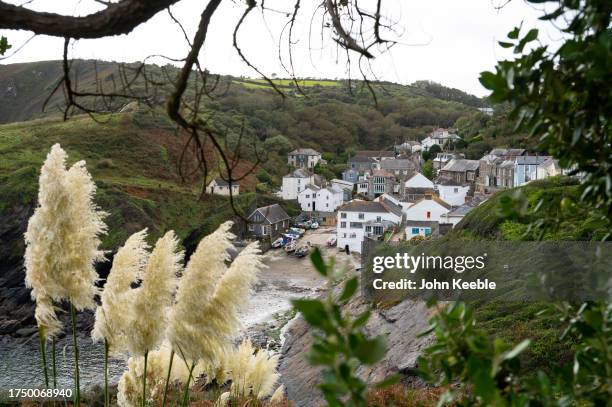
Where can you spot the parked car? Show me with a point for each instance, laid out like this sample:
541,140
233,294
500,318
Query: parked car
314,225
331,242
299,231
278,243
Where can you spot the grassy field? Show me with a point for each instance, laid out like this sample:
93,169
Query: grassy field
286,83
132,159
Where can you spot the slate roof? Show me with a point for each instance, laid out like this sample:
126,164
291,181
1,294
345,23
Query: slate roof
361,159
364,206
461,210
272,213
381,173
435,199
375,153
461,165
304,151
531,159
397,164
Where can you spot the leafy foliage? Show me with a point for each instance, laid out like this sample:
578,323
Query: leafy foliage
562,97
340,345
488,372
4,45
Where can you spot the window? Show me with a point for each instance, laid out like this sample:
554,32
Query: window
308,196
427,231
343,215
415,231
342,224
356,225
251,228
455,190
308,205
344,235
361,216
378,219
428,215
353,235
368,229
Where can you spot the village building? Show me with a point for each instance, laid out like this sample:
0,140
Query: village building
460,171
314,198
346,186
358,220
440,137
549,168
409,147
296,181
376,155
400,167
268,221
455,215
360,164
380,182
452,192
304,158
429,208
417,188
219,186
424,228
441,159
526,168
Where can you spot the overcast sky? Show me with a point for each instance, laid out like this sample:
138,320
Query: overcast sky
447,41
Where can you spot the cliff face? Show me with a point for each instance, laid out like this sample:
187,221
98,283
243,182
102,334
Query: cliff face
401,323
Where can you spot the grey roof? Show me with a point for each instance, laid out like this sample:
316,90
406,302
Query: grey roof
313,187
299,173
531,159
364,206
461,165
397,164
446,181
393,207
272,213
461,210
304,151
510,152
361,159
507,164
375,153
223,183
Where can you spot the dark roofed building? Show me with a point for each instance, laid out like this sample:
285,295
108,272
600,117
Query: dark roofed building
378,155
271,221
219,186
461,171
304,158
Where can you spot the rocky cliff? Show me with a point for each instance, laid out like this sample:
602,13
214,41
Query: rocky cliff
401,323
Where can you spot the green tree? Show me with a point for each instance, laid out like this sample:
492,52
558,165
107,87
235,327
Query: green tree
427,169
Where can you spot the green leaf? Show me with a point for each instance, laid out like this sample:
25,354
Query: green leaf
349,289
513,35
313,311
371,351
361,319
531,35
506,44
317,261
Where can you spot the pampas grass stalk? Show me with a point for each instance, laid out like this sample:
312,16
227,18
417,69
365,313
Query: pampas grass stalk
187,383
41,341
54,364
77,384
106,396
168,378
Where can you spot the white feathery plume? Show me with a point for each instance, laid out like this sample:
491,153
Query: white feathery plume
279,394
129,391
62,238
252,373
46,318
196,289
112,321
154,296
223,400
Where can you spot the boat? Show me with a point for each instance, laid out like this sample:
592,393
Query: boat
278,243
302,251
290,247
299,231
331,242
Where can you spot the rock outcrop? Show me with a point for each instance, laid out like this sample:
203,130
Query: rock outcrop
401,323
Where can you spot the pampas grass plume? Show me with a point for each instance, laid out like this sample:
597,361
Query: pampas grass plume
62,239
112,322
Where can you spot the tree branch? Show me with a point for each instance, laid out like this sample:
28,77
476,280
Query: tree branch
117,18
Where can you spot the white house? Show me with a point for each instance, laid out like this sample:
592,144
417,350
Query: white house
328,199
417,187
439,137
219,186
548,168
451,192
360,219
421,228
430,208
304,158
296,182
346,186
